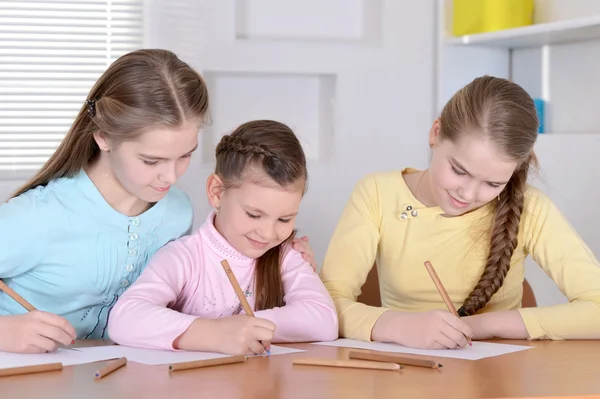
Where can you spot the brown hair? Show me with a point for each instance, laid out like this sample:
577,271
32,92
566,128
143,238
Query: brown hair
506,115
142,89
270,147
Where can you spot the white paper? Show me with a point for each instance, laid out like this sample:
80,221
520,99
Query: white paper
479,350
66,357
155,357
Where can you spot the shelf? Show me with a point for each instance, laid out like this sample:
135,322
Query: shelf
572,30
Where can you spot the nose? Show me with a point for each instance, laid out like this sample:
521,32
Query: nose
468,192
168,174
268,231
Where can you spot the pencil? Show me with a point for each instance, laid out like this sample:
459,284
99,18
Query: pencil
206,363
443,293
21,301
18,298
350,364
110,367
31,369
393,358
238,291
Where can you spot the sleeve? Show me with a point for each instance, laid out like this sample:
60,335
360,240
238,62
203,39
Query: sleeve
563,255
350,257
23,234
309,313
142,316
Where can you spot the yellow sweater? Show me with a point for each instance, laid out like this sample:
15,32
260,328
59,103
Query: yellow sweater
384,222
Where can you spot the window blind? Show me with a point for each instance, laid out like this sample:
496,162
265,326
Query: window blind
51,54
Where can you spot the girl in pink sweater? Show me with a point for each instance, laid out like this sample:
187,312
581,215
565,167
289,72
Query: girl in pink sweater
184,300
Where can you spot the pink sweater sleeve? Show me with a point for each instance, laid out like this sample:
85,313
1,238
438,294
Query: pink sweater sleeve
142,317
309,313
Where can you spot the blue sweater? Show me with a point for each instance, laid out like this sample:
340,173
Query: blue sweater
67,251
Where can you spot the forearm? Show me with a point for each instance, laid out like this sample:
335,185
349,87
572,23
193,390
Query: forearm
199,336
139,322
303,322
507,324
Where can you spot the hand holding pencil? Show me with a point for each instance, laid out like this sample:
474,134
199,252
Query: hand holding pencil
32,332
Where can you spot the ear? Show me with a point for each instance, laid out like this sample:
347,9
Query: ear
434,133
214,190
101,140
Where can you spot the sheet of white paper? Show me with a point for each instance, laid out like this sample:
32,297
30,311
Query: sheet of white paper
479,350
155,357
66,357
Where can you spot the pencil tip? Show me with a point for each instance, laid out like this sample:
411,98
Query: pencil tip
440,365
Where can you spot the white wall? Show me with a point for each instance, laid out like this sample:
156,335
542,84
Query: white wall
353,78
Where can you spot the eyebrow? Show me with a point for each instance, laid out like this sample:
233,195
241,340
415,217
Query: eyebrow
456,163
256,210
155,158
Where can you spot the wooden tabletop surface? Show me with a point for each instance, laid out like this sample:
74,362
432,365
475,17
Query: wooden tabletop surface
566,369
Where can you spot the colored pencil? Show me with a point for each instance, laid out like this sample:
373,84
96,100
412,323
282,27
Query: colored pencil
41,368
443,293
21,301
238,291
206,363
110,367
393,358
354,364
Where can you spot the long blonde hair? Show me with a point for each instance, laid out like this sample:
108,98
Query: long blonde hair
143,89
503,112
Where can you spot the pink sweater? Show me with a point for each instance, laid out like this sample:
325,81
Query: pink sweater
185,280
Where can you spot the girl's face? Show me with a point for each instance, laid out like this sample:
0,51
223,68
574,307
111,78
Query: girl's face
255,217
468,174
148,166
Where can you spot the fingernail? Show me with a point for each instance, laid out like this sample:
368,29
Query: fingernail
72,342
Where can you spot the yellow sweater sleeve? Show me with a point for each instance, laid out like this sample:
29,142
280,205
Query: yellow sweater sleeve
350,257
563,255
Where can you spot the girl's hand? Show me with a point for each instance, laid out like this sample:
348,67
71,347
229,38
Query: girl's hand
301,245
34,332
244,335
437,329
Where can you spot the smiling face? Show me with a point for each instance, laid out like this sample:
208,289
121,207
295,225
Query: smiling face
467,174
149,165
256,215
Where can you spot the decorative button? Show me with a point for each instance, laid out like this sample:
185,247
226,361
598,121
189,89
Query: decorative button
129,268
132,252
135,221
409,208
124,282
414,213
403,215
133,236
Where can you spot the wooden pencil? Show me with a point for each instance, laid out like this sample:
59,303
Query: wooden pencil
238,292
18,298
41,368
350,364
443,293
236,288
206,363
110,367
393,358
29,307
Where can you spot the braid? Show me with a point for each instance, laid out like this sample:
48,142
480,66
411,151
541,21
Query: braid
503,242
238,145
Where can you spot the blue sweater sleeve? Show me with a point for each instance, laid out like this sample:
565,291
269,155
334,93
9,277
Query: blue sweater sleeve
23,233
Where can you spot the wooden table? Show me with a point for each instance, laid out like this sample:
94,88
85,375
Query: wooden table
551,369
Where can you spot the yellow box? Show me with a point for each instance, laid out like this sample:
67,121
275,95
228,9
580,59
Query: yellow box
478,16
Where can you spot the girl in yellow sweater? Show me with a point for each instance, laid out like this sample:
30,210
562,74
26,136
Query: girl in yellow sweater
472,214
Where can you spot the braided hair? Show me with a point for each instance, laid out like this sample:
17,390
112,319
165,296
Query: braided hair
505,114
273,149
